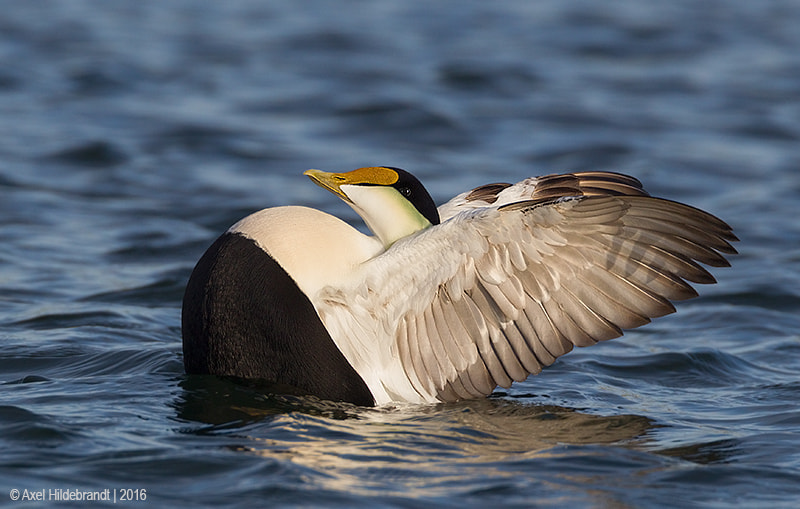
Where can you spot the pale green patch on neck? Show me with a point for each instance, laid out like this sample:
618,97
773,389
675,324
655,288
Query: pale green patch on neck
386,212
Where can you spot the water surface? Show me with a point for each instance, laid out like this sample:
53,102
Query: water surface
132,134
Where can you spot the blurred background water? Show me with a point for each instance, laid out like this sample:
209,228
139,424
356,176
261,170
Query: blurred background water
133,133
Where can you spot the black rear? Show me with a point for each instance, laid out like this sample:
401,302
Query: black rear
244,316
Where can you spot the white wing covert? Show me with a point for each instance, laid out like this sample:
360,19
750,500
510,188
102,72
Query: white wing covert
515,276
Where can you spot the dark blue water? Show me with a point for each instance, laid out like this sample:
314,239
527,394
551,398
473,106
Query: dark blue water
133,133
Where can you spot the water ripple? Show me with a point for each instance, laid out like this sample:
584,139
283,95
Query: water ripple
134,134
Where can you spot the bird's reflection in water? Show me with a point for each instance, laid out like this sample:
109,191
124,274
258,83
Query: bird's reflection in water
344,439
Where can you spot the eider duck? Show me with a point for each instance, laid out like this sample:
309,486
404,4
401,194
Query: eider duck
441,304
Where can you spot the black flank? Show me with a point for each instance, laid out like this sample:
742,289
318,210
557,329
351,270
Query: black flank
244,316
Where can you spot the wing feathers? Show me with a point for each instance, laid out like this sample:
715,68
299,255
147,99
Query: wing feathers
627,294
588,183
485,371
521,348
517,275
547,342
436,359
603,265
552,341
508,359
420,376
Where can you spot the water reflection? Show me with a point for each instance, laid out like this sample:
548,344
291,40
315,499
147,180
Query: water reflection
717,451
399,449
223,403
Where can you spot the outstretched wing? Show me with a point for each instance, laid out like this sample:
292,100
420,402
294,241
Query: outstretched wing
498,291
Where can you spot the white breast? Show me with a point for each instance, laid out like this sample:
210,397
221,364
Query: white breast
316,249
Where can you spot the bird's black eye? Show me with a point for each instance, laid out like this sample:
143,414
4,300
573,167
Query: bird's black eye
405,191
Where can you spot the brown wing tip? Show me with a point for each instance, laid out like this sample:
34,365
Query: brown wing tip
487,193
587,183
